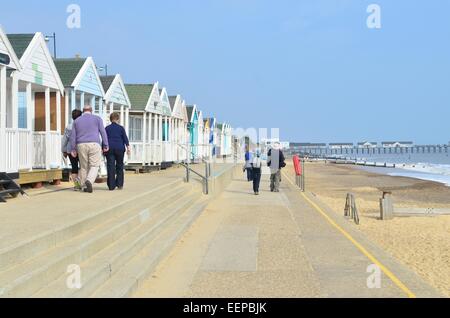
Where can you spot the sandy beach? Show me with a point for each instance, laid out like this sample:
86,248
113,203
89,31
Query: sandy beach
421,243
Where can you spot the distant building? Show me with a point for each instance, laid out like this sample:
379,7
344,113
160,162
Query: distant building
367,144
397,144
302,146
345,145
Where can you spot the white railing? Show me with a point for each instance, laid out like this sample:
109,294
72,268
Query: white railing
39,150
54,148
167,151
151,153
137,150
11,150
25,149
47,150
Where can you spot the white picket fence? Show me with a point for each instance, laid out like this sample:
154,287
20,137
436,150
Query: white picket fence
47,150
153,152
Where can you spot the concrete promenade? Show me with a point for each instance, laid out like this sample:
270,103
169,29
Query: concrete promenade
276,245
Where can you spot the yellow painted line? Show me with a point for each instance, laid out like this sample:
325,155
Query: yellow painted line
372,258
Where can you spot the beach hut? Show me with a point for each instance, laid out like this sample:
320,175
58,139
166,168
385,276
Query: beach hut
212,138
38,113
193,130
82,85
147,117
201,133
227,141
179,124
206,137
219,140
224,140
184,133
116,99
8,113
168,137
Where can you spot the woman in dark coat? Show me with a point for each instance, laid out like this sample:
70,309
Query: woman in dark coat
118,144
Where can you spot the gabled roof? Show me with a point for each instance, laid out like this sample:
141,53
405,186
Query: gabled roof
32,48
139,95
107,81
6,47
173,101
20,42
68,69
191,110
115,90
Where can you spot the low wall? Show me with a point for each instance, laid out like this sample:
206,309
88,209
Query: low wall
222,178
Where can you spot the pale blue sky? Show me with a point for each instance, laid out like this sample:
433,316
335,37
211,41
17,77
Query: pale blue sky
310,67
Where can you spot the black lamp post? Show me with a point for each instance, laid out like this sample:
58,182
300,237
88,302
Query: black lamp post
47,39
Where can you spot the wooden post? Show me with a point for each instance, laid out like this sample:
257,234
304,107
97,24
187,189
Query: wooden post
82,100
47,129
30,124
155,138
15,101
386,206
67,109
127,120
160,139
144,140
58,112
2,118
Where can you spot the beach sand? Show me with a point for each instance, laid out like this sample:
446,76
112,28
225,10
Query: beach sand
421,243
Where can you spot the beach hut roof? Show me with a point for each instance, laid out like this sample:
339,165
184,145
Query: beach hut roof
6,47
68,69
114,88
20,42
173,101
107,81
33,53
191,110
139,95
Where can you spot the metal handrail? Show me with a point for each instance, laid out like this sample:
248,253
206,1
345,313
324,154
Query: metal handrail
205,178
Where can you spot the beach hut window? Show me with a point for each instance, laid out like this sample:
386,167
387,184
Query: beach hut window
22,98
135,128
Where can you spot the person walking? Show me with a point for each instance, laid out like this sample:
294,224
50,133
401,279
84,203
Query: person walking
248,165
118,144
256,172
86,145
276,161
67,150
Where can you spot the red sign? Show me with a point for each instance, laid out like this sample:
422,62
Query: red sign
297,166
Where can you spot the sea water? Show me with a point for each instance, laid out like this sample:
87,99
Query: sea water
424,166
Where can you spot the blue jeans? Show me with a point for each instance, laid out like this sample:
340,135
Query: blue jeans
115,168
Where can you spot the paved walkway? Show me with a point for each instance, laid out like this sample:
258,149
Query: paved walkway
276,245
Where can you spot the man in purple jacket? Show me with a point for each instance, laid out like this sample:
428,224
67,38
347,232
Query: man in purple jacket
87,146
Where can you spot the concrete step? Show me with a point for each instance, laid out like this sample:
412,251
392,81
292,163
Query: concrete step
97,269
127,280
26,278
29,248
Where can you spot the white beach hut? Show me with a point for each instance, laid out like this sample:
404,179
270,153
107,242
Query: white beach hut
116,99
149,111
8,125
180,120
37,111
